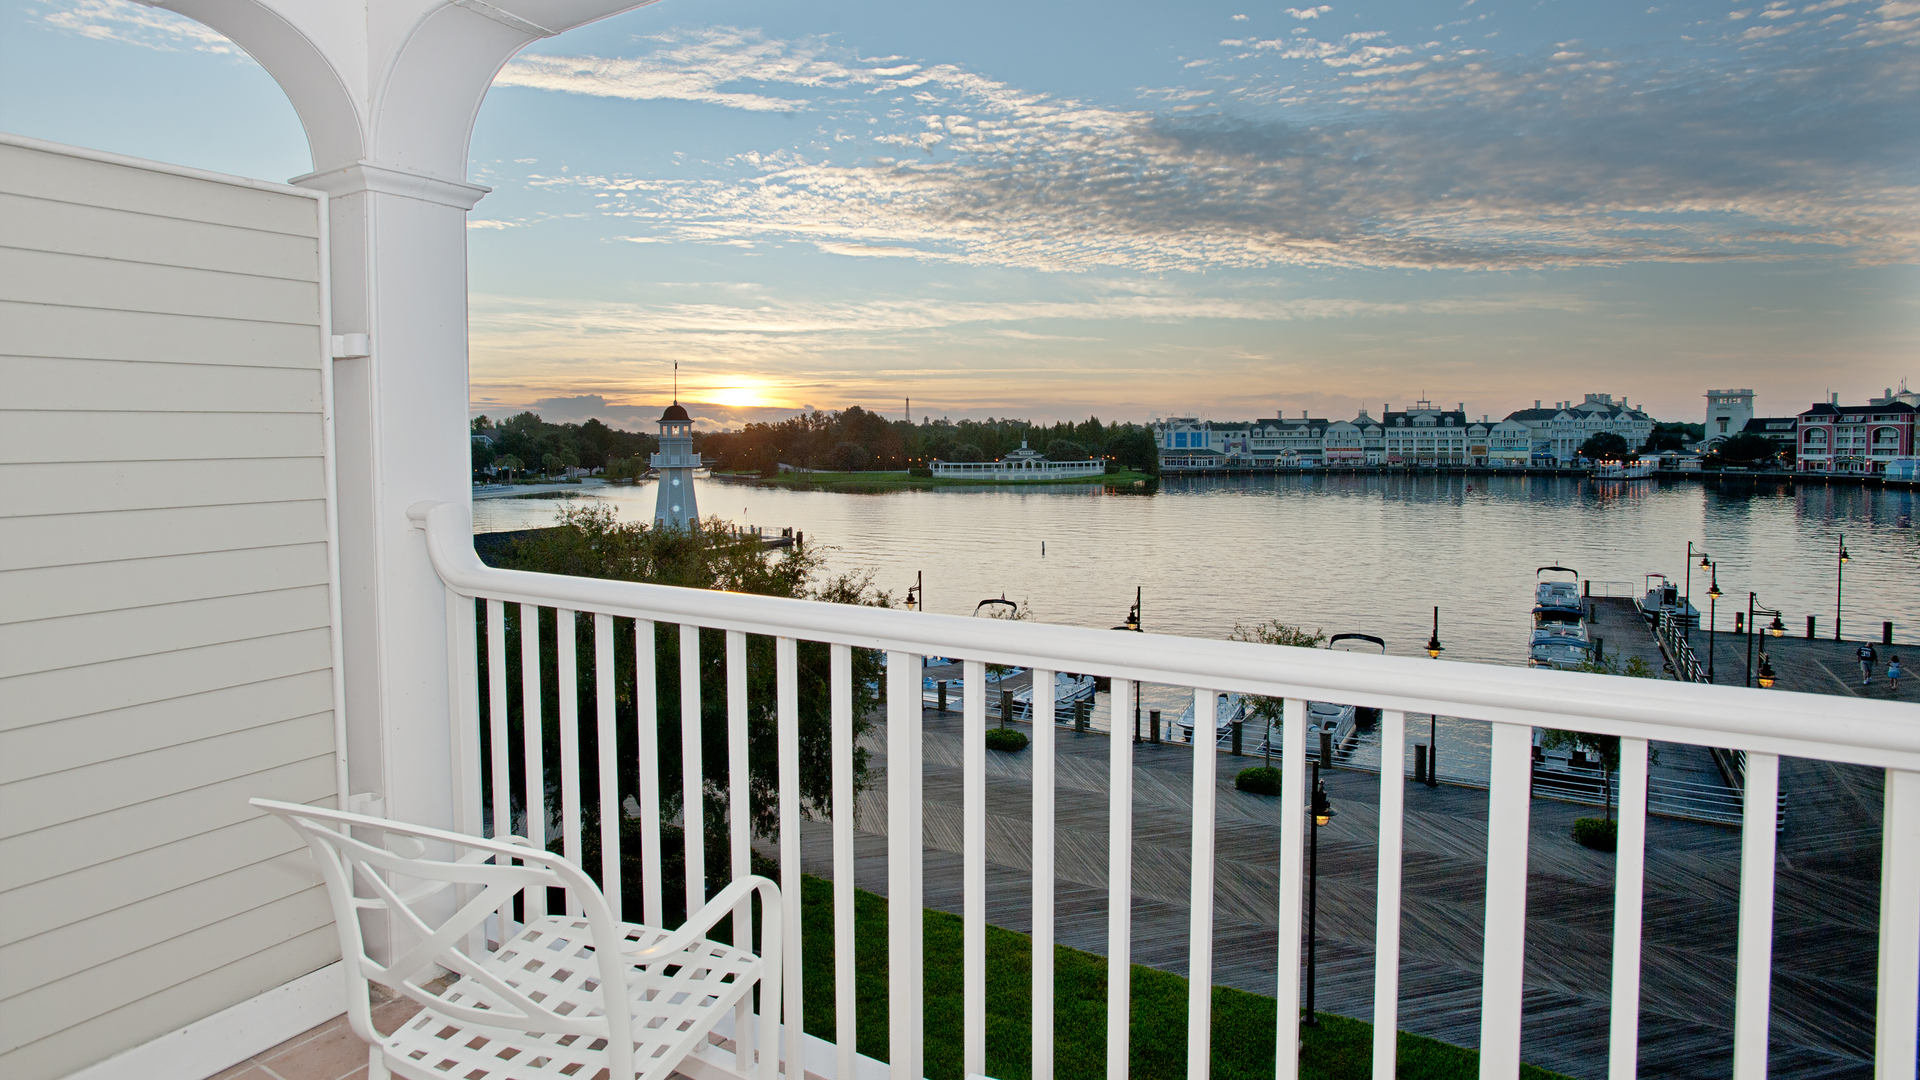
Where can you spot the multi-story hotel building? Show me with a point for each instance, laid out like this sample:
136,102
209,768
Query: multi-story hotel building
1836,438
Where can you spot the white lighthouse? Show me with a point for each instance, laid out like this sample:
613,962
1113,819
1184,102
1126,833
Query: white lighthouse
676,461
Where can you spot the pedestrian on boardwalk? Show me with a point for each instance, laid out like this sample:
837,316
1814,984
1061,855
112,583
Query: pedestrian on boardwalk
1894,673
1866,656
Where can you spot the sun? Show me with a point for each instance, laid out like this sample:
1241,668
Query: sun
744,396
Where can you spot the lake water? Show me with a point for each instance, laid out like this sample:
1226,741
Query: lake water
1362,554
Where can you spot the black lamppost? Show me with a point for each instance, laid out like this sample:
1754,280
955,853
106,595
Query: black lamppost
1433,720
916,593
1839,579
1776,628
1321,812
1687,619
1713,613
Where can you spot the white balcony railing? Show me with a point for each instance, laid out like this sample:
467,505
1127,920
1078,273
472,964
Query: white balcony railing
1763,724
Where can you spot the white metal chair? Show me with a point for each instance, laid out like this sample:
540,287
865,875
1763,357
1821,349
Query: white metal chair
567,997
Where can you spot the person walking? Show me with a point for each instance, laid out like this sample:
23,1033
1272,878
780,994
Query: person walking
1894,673
1866,656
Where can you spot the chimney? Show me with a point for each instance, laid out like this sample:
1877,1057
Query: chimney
1536,403
1463,408
1834,398
1303,414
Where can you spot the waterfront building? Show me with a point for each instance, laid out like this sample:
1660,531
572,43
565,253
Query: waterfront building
1021,464
676,461
1782,431
1425,435
1278,441
1558,432
1509,444
1727,413
1836,438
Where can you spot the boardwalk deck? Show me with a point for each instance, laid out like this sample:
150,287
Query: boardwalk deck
1825,933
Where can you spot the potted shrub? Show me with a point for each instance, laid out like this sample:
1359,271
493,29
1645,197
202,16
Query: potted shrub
1006,740
1261,780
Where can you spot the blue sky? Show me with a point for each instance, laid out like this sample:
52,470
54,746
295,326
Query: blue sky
1131,210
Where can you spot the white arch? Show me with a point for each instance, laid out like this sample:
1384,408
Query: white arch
387,91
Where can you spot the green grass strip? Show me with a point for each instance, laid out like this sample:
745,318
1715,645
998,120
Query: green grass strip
1243,1023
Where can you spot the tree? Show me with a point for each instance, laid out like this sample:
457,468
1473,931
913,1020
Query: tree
1066,450
1606,446
848,457
1605,747
1270,710
1674,436
1746,449
480,423
589,542
1135,449
482,455
509,464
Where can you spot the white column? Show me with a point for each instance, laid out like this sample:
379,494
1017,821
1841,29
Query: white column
399,276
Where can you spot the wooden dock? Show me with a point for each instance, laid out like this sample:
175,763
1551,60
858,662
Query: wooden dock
1826,908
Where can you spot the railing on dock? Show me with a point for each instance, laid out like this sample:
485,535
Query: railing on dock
617,625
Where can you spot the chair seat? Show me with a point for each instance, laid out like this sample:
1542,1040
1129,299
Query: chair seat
551,960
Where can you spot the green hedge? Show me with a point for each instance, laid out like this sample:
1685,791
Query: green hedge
1006,739
1597,833
1259,780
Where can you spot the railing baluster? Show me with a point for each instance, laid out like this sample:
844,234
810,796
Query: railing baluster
1120,879
1753,978
693,823
463,690
739,789
973,868
1503,963
608,732
905,960
568,684
787,723
1043,739
497,752
1200,902
1899,998
740,859
497,720
1630,865
1293,851
532,734
1386,932
845,1033
463,676
646,719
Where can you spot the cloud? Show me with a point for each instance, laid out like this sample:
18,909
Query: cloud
1446,161
1309,13
137,24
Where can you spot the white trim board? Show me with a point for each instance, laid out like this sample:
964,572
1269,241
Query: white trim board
231,1035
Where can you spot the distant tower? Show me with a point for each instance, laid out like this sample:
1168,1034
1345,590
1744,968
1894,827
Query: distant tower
676,462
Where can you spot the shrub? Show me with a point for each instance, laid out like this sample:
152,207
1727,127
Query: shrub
1259,780
923,471
1006,740
1596,833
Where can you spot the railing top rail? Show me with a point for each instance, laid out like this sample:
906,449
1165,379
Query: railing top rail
1884,734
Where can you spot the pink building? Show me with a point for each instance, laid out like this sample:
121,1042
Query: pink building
1835,438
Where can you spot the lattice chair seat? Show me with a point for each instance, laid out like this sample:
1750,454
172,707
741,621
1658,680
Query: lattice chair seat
550,1002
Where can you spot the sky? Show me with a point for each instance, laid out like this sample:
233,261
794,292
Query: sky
1129,210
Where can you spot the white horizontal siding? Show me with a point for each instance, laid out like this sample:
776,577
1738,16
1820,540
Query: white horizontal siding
55,695
104,233
63,437
152,337
58,384
165,596
54,591
45,906
91,486
111,536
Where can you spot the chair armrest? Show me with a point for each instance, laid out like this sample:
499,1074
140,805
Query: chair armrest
707,917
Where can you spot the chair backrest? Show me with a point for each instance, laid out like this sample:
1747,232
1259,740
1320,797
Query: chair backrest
438,888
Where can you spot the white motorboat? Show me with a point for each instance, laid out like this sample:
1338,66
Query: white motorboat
1228,709
1559,621
1663,597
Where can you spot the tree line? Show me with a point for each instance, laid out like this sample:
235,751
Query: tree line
527,444
855,439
